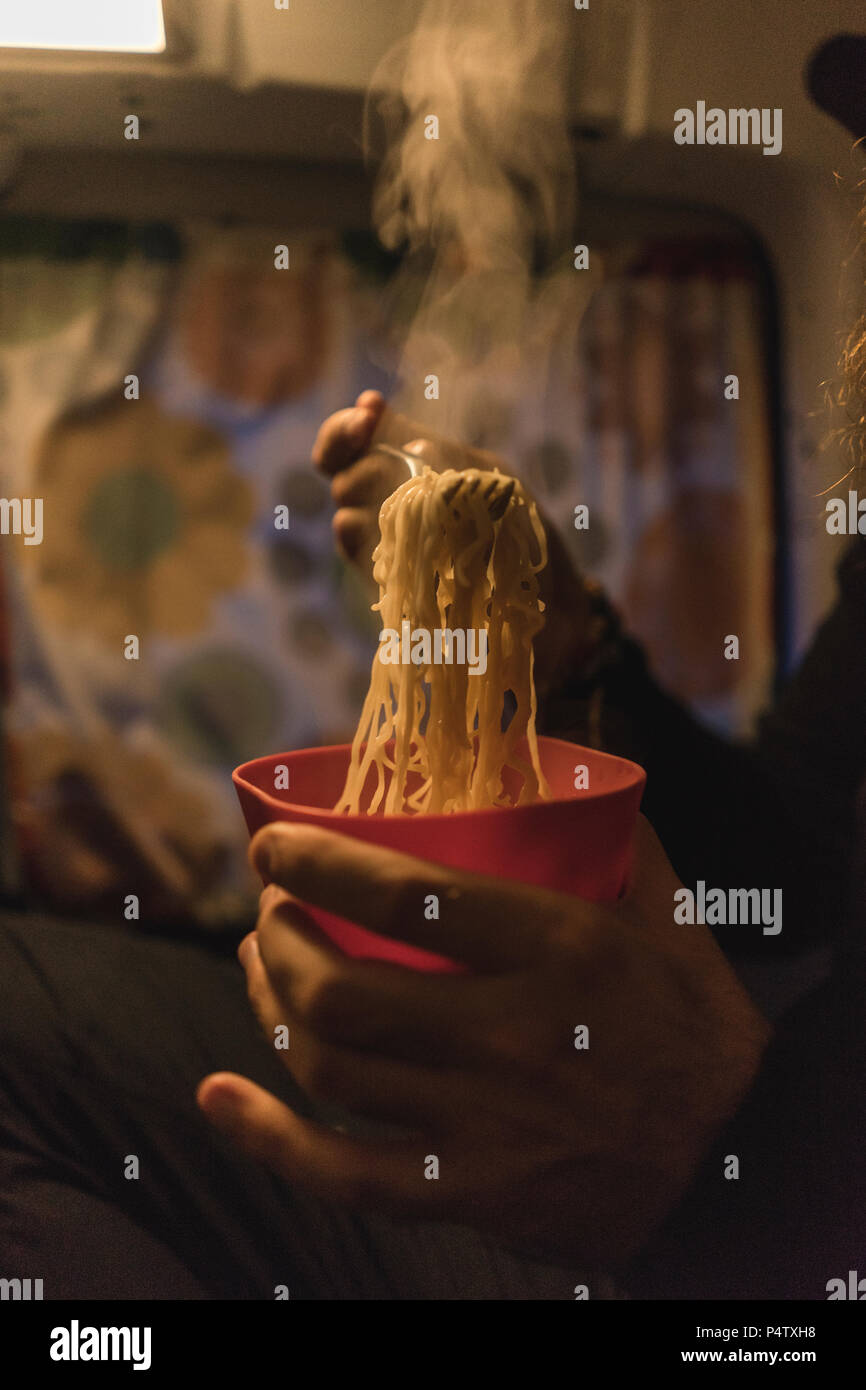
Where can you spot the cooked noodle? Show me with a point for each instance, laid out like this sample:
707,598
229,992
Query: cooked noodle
446,565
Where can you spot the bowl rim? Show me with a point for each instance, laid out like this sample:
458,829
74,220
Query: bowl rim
636,779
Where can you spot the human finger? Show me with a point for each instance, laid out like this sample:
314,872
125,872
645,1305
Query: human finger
420,1016
484,922
355,532
343,436
387,1175
369,481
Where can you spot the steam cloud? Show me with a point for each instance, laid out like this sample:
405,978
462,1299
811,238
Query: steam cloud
481,205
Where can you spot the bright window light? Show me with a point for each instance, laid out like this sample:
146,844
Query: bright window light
108,26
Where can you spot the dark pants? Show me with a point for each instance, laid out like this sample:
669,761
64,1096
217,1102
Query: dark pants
104,1037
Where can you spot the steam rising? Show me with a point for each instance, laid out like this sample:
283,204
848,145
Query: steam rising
480,205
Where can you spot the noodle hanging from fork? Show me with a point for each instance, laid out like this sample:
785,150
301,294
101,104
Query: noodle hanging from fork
444,564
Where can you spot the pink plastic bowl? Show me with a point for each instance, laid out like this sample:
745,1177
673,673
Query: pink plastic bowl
579,842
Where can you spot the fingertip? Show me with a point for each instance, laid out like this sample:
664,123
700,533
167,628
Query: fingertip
217,1095
248,950
255,1121
293,849
351,532
357,425
270,896
260,853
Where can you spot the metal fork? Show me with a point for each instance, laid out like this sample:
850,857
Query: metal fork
497,493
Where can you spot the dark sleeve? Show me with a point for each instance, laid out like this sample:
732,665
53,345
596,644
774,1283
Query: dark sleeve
780,811
795,1217
776,812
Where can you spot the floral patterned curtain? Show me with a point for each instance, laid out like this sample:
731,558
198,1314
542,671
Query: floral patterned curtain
159,525
677,476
